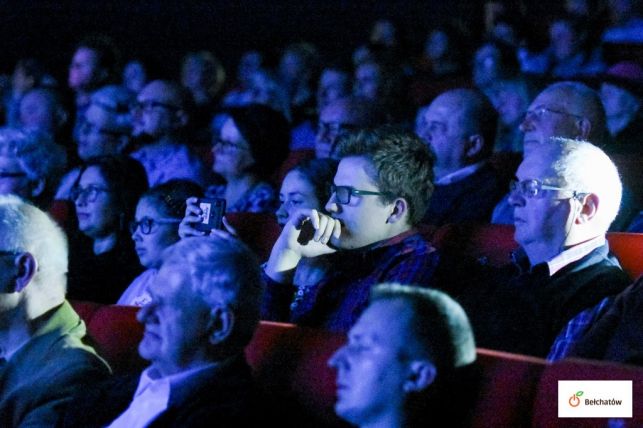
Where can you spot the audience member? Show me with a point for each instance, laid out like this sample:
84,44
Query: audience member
103,262
104,130
135,75
30,165
27,75
622,95
380,192
626,22
511,99
44,110
161,120
494,61
252,144
409,359
460,129
44,359
341,116
298,68
154,228
564,198
307,185
204,310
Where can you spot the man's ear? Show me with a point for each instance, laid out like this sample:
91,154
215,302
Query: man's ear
475,144
220,325
588,208
37,187
584,126
422,373
26,267
400,208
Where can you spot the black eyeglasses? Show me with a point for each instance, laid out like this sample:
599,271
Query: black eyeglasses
17,174
532,188
228,144
150,105
146,224
343,193
89,193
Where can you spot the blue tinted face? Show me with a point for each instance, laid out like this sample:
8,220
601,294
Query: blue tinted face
150,246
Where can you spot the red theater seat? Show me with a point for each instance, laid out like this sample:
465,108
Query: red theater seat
258,230
628,248
546,402
491,242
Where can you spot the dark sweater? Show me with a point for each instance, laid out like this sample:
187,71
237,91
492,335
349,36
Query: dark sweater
522,310
471,199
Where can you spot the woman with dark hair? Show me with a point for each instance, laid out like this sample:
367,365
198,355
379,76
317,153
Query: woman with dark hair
253,142
102,258
154,228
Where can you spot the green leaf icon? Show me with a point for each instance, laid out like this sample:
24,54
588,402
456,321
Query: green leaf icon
579,393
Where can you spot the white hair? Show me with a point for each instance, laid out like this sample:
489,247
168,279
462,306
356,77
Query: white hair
585,168
25,228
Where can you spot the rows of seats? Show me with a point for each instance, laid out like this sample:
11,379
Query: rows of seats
291,362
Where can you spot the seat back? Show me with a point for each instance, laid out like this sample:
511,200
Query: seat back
258,230
491,242
546,401
628,248
508,387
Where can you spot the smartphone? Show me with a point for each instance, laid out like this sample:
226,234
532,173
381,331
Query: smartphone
213,210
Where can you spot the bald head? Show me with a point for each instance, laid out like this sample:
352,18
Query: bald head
564,109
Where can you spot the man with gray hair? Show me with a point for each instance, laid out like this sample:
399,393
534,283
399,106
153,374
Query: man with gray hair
30,164
43,360
564,198
203,311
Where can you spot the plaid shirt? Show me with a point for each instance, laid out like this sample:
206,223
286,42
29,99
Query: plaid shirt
335,302
576,328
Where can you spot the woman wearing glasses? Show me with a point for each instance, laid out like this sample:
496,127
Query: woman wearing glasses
253,142
102,258
154,228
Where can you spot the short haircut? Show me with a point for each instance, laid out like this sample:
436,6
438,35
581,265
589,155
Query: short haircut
108,56
267,132
585,168
319,173
223,270
587,103
116,100
39,156
169,198
439,325
402,165
25,228
212,69
178,94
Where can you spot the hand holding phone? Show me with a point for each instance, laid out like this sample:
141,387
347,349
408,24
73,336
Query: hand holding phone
212,211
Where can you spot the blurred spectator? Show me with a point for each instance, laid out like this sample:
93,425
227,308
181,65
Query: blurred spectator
627,22
161,127
622,95
298,69
460,129
494,61
135,75
43,109
27,74
30,165
409,358
45,357
252,144
511,98
250,62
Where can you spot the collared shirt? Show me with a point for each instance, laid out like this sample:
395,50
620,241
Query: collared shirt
152,397
560,260
460,174
337,300
574,253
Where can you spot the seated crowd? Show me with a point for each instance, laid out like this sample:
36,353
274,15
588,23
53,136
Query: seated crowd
325,151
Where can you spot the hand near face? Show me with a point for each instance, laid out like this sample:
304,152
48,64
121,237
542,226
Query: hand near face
306,234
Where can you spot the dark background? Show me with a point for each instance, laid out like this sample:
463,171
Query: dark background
162,31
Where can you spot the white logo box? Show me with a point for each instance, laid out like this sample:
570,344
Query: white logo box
594,398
